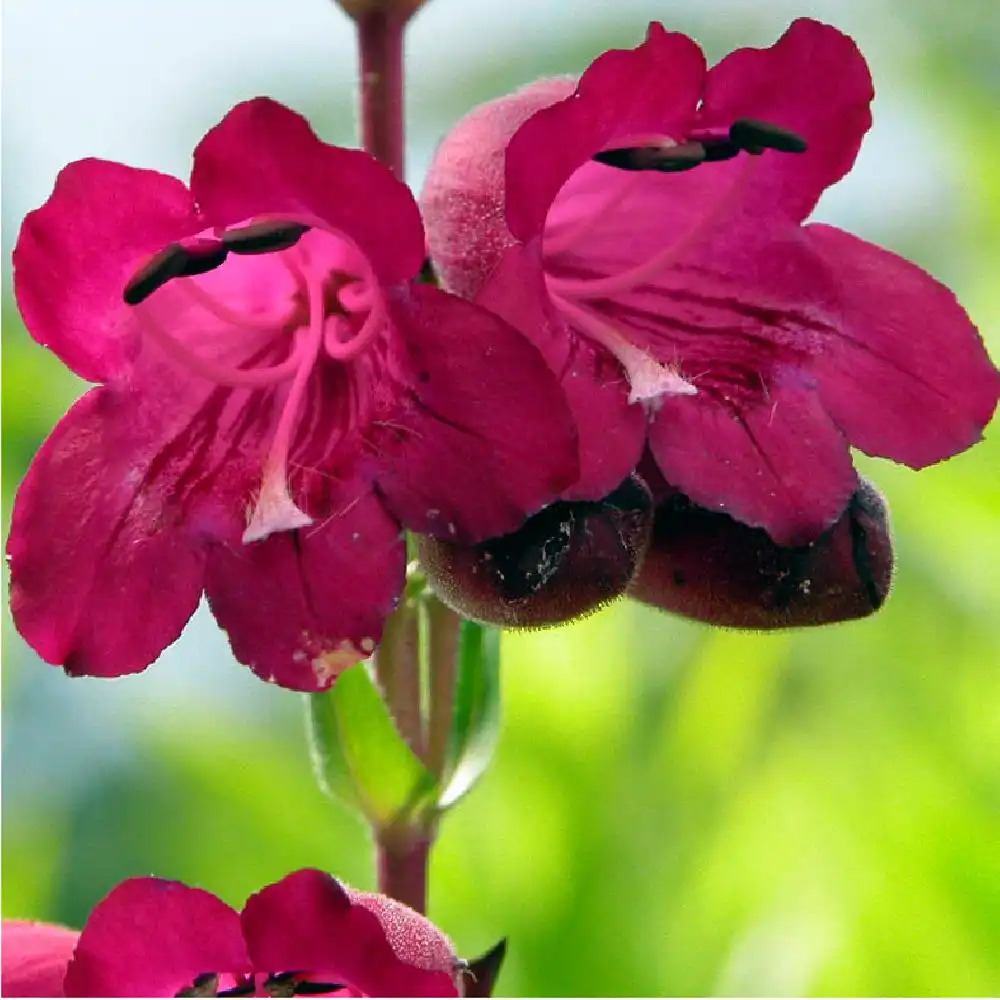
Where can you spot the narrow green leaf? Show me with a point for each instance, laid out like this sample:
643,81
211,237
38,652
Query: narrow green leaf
360,756
476,720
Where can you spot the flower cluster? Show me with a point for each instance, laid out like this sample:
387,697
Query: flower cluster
304,935
634,317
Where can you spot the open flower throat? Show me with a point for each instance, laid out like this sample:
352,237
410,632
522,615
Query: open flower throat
331,313
599,286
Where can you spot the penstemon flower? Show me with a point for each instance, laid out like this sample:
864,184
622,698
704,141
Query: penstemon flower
644,226
304,935
280,397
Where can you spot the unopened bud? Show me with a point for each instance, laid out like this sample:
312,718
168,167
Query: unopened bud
705,565
566,561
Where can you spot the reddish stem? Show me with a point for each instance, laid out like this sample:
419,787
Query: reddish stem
380,47
402,870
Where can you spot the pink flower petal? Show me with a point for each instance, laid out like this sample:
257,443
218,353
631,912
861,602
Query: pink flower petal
782,465
91,544
75,254
652,89
814,81
486,437
611,432
373,945
908,378
35,957
302,606
263,159
152,937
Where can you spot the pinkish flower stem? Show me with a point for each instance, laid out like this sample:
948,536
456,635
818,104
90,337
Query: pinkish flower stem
380,49
402,869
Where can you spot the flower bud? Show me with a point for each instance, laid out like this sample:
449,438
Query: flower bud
566,561
706,566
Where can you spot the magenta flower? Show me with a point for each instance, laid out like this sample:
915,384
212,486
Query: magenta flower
691,308
279,396
306,934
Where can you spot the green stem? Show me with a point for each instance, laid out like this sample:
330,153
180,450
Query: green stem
443,629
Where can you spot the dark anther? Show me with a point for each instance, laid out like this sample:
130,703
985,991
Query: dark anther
756,136
200,261
205,985
717,150
169,263
428,276
263,237
173,261
665,159
245,989
288,984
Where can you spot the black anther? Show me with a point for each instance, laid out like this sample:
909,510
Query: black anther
665,159
316,989
755,136
198,262
717,150
263,237
205,985
169,263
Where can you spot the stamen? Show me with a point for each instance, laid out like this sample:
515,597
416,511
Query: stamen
624,281
205,985
349,349
222,312
162,267
665,159
263,237
755,136
173,261
212,370
648,378
275,510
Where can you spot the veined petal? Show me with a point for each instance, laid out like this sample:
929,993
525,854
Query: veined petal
813,81
153,937
264,159
374,945
92,539
302,606
781,465
652,89
908,376
75,254
35,956
484,436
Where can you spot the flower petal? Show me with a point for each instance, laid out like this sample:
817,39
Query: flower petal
814,81
781,465
35,957
92,541
485,437
153,937
611,431
374,945
264,159
75,254
908,378
301,606
624,93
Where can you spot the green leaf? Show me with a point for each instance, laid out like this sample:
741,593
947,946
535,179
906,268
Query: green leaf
361,758
475,725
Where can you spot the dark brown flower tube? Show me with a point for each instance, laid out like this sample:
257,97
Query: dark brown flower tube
706,566
566,561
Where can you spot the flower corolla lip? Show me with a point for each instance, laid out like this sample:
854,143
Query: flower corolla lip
279,399
645,225
156,937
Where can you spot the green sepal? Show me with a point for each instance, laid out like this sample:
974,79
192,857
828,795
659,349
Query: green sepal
361,758
475,725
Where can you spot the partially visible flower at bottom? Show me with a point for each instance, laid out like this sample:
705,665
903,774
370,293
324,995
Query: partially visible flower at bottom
305,935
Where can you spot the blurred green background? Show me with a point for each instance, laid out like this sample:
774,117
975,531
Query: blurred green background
674,810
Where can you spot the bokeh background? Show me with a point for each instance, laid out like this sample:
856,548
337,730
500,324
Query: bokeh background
673,810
